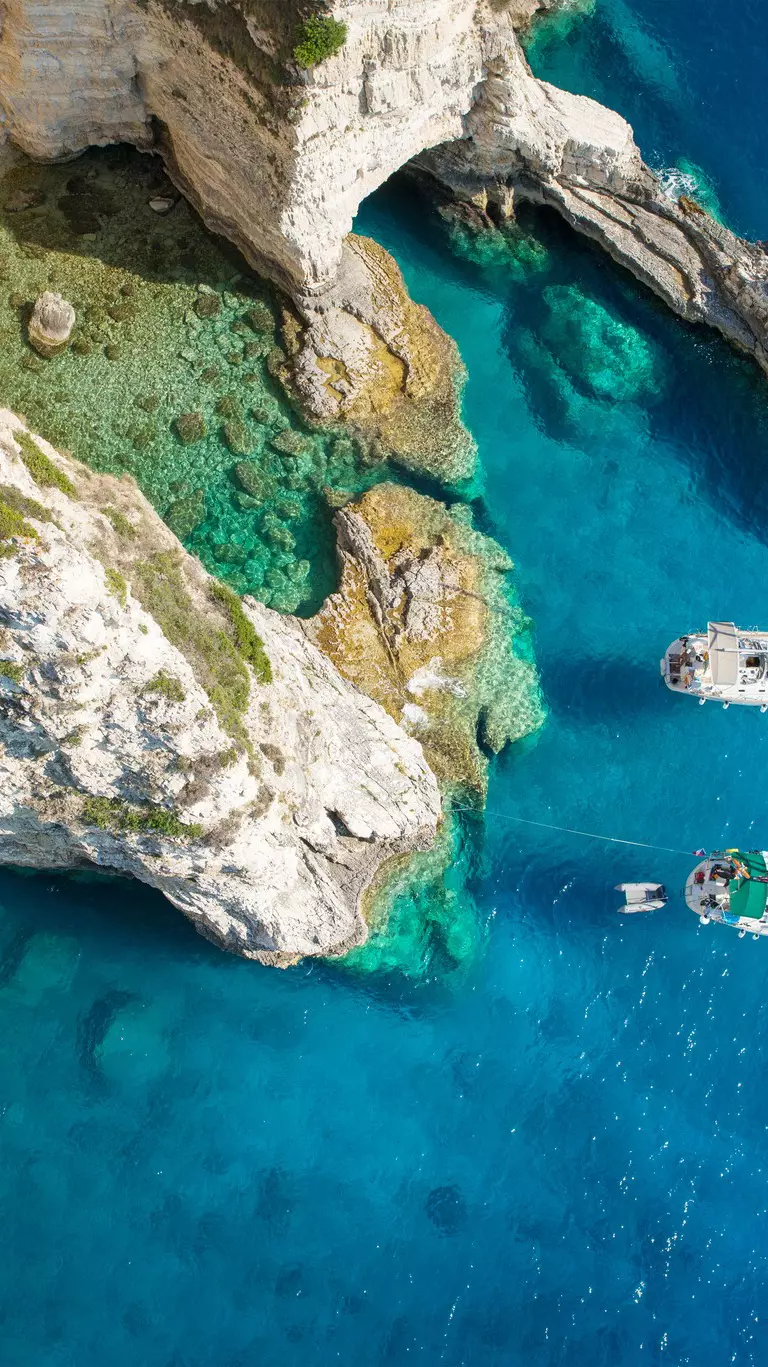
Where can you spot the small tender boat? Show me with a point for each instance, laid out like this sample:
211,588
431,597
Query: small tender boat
731,888
727,664
642,896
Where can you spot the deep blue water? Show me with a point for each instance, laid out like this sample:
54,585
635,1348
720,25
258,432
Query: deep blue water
555,1156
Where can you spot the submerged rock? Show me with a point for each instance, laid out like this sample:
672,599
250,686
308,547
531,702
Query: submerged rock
602,354
190,428
186,514
238,438
51,324
174,687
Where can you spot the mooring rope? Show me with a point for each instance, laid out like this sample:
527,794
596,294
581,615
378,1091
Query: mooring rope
569,830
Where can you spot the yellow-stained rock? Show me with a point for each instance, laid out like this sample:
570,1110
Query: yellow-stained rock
423,623
364,353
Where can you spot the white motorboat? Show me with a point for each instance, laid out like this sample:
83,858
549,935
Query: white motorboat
642,896
731,888
726,664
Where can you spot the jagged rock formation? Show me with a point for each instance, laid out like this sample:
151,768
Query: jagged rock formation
421,622
364,353
526,139
141,732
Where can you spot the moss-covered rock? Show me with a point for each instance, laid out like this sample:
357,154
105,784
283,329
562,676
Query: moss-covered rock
207,305
238,438
186,514
291,443
253,480
229,553
424,623
261,318
190,428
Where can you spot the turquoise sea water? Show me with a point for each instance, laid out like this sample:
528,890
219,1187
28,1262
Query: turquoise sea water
552,1156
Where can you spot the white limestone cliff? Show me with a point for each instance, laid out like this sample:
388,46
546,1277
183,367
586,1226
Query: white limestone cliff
263,819
279,160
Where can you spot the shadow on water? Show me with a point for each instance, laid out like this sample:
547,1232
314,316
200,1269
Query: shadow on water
80,206
602,690
94,1025
707,404
119,915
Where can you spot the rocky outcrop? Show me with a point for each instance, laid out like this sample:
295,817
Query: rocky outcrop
50,324
423,623
526,139
151,725
364,353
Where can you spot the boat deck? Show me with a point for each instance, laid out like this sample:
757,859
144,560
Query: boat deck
737,901
688,667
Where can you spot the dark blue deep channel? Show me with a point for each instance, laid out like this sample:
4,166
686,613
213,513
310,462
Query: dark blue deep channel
548,1151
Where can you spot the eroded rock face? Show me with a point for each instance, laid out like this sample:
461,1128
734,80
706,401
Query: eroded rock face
423,624
136,736
278,160
364,353
528,140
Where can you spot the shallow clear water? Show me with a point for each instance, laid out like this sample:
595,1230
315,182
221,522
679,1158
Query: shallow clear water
171,329
551,1154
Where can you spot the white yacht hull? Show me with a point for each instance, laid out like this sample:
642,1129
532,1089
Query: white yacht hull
725,664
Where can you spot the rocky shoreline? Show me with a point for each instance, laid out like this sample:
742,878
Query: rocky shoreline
154,724
265,815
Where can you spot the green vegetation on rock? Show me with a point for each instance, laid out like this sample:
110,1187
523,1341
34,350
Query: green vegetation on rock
110,814
43,470
10,669
319,37
167,685
217,664
120,523
247,639
116,584
13,506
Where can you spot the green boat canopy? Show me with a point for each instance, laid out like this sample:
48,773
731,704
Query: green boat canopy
748,898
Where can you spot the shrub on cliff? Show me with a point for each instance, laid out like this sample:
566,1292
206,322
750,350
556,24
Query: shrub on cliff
318,38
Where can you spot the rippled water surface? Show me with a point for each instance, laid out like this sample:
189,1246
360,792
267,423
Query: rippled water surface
529,1133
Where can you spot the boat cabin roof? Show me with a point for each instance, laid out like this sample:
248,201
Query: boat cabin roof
723,646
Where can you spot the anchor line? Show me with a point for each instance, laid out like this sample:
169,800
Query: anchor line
571,830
